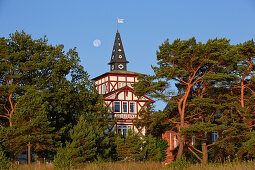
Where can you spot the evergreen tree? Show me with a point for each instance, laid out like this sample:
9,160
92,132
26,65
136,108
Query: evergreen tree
27,64
130,147
155,148
31,130
186,63
88,142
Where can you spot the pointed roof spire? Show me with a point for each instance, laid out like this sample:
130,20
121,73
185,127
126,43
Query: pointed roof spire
118,58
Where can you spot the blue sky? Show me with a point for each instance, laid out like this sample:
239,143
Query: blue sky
148,23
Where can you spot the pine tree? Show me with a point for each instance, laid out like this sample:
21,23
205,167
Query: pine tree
186,63
130,147
28,64
154,148
31,130
88,142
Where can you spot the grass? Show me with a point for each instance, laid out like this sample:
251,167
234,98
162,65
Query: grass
144,166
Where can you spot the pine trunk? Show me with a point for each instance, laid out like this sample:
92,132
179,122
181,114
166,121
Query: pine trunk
29,153
182,139
205,152
180,150
181,108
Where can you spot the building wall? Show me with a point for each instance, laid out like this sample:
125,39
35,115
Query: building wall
120,89
110,83
173,143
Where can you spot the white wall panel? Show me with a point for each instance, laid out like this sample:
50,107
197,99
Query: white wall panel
130,79
122,78
113,78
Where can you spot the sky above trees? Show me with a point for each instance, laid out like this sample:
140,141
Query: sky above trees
147,25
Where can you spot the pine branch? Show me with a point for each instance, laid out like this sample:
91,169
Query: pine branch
194,154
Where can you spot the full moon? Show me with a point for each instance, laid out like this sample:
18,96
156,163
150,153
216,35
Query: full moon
96,43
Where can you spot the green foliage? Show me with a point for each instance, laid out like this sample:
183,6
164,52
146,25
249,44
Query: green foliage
230,141
54,84
215,84
4,162
63,158
83,144
154,121
180,164
135,147
88,142
155,149
130,147
199,129
31,125
247,151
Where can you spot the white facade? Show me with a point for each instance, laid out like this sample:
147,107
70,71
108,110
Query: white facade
119,97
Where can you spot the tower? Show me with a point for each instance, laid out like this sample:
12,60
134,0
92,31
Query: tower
117,90
118,58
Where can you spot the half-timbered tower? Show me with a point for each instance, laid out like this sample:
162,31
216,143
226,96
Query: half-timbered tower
117,90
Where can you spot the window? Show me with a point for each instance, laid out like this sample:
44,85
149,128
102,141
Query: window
123,129
124,107
175,141
215,136
121,85
132,107
193,140
104,88
117,107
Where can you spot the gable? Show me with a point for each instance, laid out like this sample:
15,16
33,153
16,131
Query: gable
125,93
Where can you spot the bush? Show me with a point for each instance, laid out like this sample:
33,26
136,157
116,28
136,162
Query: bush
155,148
180,164
63,159
4,162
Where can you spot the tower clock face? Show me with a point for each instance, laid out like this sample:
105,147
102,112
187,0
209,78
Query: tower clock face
120,66
112,67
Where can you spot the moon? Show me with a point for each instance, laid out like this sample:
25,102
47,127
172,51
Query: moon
96,43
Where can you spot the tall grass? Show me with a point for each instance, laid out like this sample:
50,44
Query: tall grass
145,166
225,166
